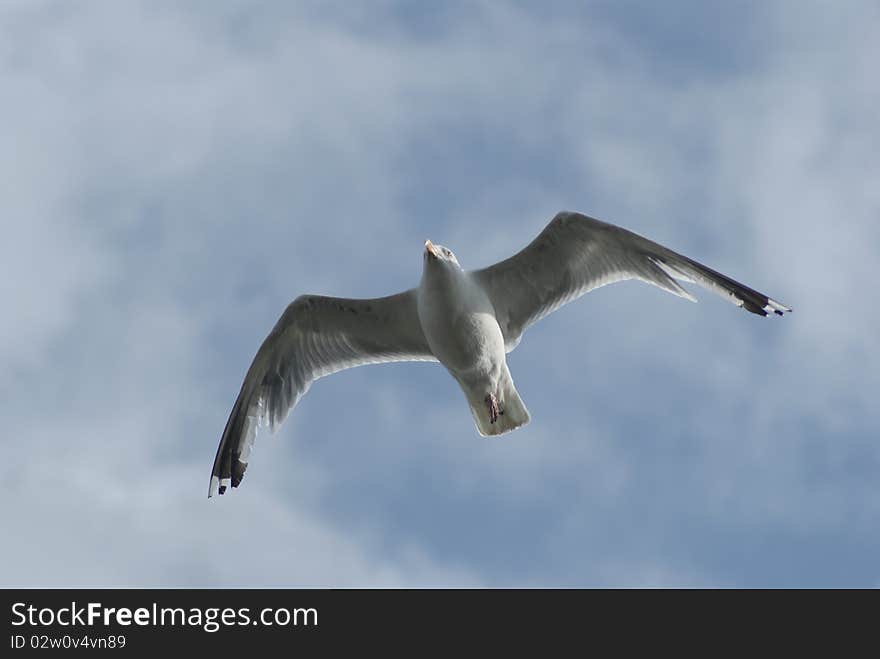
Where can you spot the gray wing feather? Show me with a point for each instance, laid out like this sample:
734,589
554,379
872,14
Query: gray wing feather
314,337
575,254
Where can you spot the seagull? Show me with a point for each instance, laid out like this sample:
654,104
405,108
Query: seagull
466,320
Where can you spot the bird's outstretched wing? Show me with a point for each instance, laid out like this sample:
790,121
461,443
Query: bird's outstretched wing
575,254
314,337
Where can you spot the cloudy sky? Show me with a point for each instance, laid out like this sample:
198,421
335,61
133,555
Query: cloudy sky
173,174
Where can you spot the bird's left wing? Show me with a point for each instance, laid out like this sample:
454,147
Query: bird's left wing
575,254
314,337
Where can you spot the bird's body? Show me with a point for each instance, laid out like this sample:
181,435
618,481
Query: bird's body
458,320
466,320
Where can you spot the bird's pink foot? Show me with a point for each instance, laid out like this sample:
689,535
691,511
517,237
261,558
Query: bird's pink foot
494,410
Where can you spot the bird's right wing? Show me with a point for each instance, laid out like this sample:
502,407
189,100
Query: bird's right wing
314,337
575,254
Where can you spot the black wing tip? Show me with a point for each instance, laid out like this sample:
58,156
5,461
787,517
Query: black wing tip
216,486
238,470
220,489
755,307
221,483
777,307
763,307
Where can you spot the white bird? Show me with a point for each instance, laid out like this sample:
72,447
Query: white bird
466,320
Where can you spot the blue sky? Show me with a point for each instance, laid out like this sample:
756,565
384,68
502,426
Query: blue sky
174,174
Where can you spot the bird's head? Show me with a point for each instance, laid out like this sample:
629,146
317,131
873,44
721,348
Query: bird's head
438,255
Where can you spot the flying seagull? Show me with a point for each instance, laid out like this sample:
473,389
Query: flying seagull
466,320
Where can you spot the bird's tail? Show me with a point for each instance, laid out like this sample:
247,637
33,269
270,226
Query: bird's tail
512,412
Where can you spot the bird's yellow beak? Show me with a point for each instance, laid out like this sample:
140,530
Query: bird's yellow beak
430,249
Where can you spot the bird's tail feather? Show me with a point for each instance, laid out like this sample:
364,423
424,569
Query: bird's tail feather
512,410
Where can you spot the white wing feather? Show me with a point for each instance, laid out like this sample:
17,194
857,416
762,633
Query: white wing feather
314,337
575,254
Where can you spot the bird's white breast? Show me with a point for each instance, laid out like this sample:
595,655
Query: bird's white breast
458,321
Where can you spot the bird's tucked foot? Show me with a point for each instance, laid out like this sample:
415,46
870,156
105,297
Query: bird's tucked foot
494,410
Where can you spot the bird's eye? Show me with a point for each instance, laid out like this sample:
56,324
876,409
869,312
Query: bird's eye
447,252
